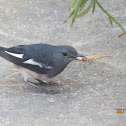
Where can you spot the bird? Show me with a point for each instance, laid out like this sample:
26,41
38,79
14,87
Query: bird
40,60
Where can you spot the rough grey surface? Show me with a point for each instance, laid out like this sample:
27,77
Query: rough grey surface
89,94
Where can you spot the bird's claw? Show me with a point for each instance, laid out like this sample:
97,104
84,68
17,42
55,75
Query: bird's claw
41,89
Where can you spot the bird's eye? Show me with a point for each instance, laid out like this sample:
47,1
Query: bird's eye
64,54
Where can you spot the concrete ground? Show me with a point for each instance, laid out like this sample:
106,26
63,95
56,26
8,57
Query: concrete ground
89,94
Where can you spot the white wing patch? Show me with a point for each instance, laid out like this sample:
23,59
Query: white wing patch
15,54
48,67
32,62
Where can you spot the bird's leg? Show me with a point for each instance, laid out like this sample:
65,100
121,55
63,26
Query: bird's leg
25,78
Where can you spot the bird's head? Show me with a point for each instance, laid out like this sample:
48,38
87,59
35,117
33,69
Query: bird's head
68,53
62,56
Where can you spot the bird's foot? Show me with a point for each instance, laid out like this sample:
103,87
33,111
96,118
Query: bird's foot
41,89
42,83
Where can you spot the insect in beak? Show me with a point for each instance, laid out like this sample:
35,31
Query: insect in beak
80,57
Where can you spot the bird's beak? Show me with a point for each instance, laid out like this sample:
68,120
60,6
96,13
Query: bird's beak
80,57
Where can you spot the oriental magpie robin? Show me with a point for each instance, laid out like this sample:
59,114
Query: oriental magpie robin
37,60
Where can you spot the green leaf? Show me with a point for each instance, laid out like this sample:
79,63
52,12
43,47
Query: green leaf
110,16
111,21
73,3
93,7
76,11
77,7
82,4
69,16
73,20
85,11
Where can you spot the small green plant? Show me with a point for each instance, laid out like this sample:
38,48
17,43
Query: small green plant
79,11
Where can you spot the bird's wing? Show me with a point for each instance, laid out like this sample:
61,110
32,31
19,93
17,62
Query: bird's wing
16,51
19,56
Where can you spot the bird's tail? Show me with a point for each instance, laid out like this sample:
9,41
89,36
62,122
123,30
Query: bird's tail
2,49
